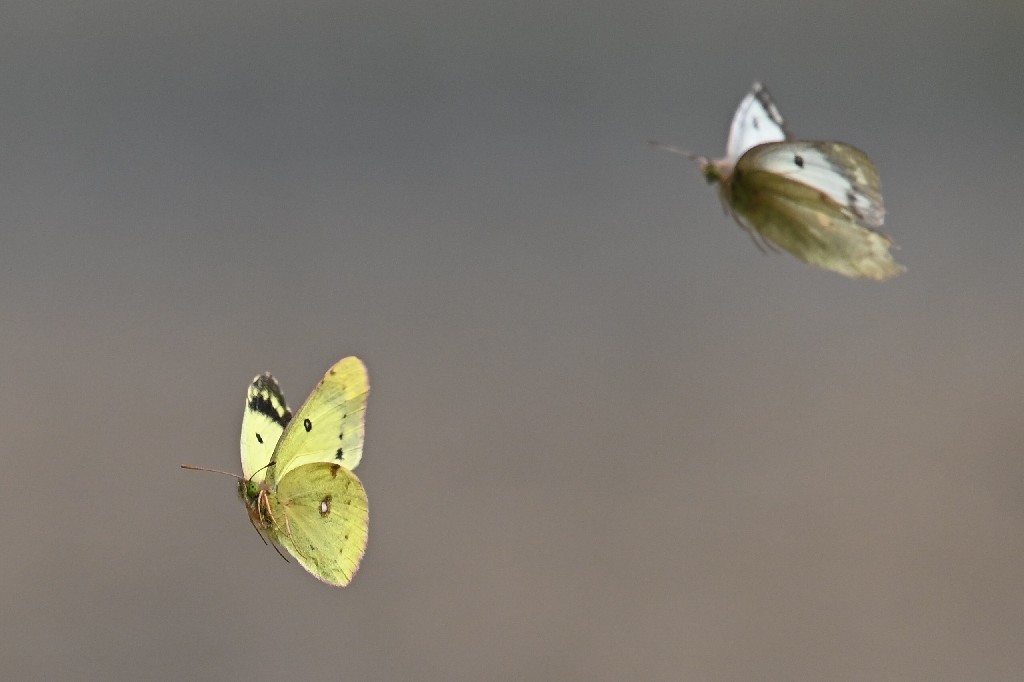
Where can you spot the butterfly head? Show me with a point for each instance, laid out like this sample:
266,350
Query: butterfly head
713,171
248,489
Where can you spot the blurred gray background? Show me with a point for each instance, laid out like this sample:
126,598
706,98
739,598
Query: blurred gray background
607,439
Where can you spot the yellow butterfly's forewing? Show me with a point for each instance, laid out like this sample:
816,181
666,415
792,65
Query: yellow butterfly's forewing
320,516
329,425
817,200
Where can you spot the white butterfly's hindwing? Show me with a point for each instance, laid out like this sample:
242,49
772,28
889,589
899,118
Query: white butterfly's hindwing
329,426
820,201
757,120
264,420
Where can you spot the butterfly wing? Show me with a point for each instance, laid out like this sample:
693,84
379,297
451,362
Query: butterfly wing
321,518
329,425
821,201
265,417
757,120
843,173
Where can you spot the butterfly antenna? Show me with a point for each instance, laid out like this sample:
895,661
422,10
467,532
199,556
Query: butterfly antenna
265,466
677,150
215,471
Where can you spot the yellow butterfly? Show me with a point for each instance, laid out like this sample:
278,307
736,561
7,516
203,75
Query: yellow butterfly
297,482
820,201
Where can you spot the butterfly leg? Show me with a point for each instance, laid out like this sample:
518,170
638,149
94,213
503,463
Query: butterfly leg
278,550
263,503
762,244
287,525
258,531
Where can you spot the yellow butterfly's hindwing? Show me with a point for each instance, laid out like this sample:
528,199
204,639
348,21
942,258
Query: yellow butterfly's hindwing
320,516
329,426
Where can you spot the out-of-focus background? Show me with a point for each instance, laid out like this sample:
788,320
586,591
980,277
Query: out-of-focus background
607,438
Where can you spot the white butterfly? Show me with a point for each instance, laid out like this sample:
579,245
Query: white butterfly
820,201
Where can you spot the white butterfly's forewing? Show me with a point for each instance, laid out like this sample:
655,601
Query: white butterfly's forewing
757,120
841,172
818,200
329,425
265,417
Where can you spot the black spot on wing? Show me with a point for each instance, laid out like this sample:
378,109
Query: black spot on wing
308,425
798,160
339,454
259,438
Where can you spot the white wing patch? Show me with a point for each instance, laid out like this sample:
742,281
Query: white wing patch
263,421
757,120
842,173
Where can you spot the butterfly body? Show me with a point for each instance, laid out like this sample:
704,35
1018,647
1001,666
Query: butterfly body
819,201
